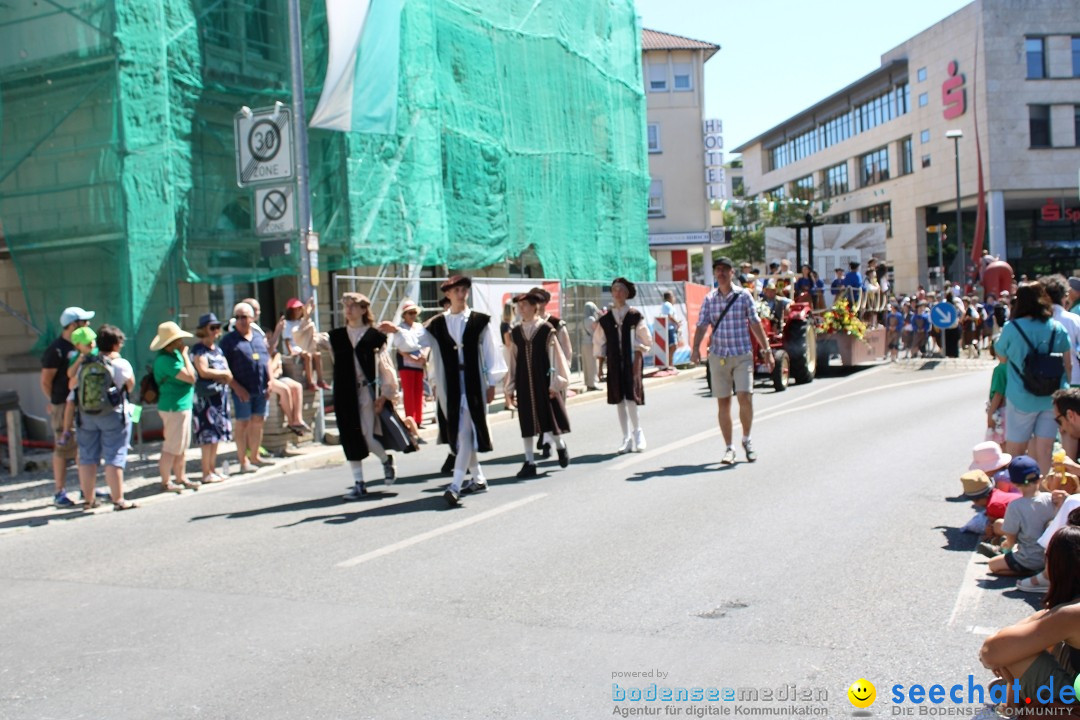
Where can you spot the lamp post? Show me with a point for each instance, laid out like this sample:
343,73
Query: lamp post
955,135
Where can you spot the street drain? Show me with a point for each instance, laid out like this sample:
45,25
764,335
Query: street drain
722,610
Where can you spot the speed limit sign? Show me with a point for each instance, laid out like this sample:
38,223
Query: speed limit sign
263,145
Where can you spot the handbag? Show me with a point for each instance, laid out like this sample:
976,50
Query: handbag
395,436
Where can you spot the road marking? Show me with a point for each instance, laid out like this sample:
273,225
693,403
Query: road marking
771,413
424,537
981,630
970,593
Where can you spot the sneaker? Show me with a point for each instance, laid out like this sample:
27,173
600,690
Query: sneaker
528,470
639,440
988,550
729,457
627,445
448,466
451,498
474,488
564,457
61,500
748,448
388,470
1034,584
357,492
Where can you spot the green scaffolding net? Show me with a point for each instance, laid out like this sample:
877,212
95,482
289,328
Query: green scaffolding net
520,126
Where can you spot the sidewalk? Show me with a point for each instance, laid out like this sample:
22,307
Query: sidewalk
26,499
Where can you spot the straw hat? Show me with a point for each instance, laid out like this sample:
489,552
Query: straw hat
409,306
167,332
976,484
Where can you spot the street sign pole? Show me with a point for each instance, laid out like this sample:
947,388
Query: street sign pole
309,258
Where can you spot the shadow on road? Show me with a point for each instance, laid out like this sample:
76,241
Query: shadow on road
958,540
428,504
995,582
677,471
958,499
315,504
39,521
1032,599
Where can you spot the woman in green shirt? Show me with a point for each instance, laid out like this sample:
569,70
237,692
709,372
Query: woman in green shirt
175,376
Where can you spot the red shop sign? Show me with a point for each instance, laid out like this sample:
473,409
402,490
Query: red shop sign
1052,212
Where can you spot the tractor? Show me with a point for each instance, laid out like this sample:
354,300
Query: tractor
794,347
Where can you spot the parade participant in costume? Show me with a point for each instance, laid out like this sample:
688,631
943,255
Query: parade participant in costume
364,381
468,364
562,333
539,372
623,341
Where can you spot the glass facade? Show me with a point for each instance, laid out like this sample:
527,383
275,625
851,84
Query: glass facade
1039,125
874,167
1035,48
804,188
836,180
879,213
906,165
865,116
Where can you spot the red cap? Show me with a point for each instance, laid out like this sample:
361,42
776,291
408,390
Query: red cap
293,303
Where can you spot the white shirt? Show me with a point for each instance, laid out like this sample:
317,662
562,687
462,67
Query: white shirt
492,361
1071,323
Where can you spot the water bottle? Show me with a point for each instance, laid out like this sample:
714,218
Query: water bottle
226,468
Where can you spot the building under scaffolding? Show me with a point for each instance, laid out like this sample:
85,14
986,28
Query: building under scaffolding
521,129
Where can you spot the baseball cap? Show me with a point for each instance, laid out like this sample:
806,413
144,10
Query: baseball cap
293,303
1074,284
723,260
208,319
72,314
83,336
1023,470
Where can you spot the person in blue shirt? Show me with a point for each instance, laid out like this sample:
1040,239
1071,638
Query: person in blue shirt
804,284
894,323
854,280
1030,417
819,290
837,285
920,322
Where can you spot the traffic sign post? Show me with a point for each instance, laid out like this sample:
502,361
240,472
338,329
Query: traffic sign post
264,145
274,211
944,316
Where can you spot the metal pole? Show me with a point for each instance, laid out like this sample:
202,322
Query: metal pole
809,243
309,258
941,260
959,220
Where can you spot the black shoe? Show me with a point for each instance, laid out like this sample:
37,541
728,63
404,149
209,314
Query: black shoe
448,466
474,488
528,470
451,498
564,457
545,451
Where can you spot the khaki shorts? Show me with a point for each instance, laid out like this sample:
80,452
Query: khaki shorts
731,373
56,421
177,428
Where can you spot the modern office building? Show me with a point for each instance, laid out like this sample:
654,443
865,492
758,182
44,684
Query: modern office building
673,68
999,82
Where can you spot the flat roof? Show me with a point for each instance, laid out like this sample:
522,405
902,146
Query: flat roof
656,40
870,79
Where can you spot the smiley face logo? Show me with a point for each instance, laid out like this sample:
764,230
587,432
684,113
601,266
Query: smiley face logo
862,693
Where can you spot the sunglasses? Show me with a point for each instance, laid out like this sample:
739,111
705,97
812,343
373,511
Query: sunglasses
215,327
243,317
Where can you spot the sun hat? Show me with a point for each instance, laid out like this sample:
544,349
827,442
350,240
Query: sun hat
408,305
167,333
72,314
544,295
83,336
1067,482
987,456
531,296
976,484
1023,470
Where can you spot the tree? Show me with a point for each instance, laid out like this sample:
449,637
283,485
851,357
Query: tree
749,220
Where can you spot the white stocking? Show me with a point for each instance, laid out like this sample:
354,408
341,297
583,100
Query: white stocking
357,472
632,410
621,407
530,453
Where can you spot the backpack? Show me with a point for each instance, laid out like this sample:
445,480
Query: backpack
149,392
1042,371
96,391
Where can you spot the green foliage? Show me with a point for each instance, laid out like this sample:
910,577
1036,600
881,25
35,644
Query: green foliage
748,222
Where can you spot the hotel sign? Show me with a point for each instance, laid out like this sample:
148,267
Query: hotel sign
713,138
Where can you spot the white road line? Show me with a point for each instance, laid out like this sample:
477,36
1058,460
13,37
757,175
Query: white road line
771,413
969,595
981,630
423,537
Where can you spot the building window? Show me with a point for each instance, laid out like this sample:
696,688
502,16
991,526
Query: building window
654,137
253,28
656,199
926,161
1036,57
906,165
838,219
777,193
1039,124
737,187
1076,124
921,74
924,137
683,72
924,99
804,188
880,214
836,180
657,77
1076,59
874,166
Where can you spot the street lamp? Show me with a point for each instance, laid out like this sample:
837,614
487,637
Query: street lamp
956,135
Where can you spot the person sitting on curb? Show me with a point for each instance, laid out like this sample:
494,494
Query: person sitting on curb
988,457
979,488
1020,652
1025,520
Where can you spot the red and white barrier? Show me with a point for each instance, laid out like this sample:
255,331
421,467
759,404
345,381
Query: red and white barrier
661,353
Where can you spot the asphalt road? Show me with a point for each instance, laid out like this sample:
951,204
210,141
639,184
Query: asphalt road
834,557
